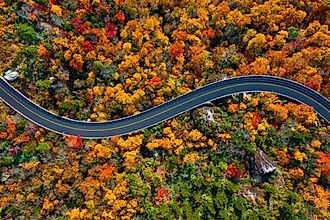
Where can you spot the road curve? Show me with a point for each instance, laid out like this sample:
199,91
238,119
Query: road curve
155,115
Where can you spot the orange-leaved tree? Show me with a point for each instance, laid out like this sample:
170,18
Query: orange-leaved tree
323,162
74,141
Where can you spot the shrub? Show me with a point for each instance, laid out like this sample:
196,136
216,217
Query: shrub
6,160
43,84
42,148
26,33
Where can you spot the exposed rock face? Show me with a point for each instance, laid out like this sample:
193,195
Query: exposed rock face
261,164
208,116
11,75
204,114
252,194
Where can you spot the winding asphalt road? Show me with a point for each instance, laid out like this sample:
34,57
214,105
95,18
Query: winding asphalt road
155,115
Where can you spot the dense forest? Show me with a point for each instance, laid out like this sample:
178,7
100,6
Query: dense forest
106,59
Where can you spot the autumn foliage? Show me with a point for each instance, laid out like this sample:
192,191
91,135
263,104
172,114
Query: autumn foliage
175,50
256,119
74,141
323,162
155,81
107,172
162,194
87,46
102,60
234,172
120,16
194,157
